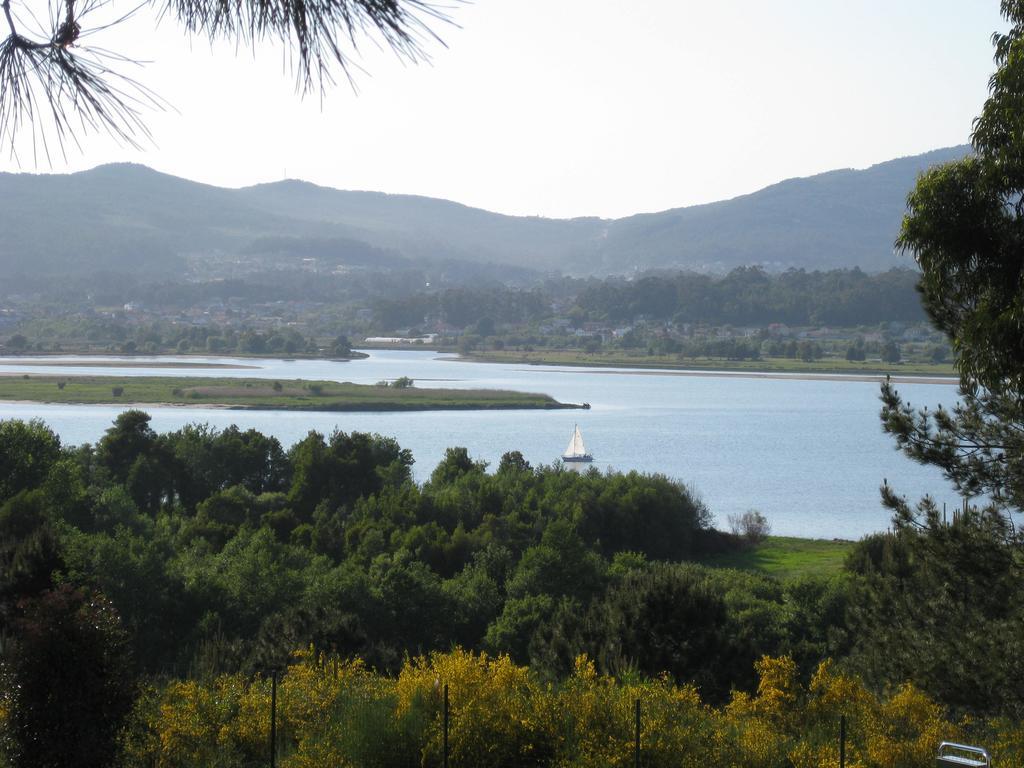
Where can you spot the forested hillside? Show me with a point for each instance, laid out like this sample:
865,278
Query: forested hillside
133,219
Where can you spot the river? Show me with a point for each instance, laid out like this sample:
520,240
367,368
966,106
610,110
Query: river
809,453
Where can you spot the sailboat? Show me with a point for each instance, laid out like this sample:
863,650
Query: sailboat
576,451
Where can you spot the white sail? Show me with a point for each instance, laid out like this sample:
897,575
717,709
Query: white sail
576,449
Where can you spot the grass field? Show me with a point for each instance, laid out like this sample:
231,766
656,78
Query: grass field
764,365
787,558
262,394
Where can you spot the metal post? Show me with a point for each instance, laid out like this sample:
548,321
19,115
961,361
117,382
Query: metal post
842,741
273,718
636,741
445,752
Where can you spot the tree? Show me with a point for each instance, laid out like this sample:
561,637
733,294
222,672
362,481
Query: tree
891,352
125,442
341,347
71,681
17,343
28,449
855,352
50,72
965,229
752,525
940,579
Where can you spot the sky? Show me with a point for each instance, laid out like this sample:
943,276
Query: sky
565,108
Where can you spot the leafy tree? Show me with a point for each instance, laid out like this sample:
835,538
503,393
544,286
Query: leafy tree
964,229
129,439
17,343
809,351
855,352
30,553
341,347
349,467
940,601
891,352
71,681
28,449
677,619
752,525
456,462
941,606
561,565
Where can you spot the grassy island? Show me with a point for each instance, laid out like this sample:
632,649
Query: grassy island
261,394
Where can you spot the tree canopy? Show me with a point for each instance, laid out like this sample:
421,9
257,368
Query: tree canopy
940,597
965,228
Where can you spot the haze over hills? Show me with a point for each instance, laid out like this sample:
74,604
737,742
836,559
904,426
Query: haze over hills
134,219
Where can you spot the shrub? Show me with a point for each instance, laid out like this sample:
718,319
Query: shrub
751,525
117,391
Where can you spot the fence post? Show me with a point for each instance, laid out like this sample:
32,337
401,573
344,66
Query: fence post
445,749
842,741
636,739
273,718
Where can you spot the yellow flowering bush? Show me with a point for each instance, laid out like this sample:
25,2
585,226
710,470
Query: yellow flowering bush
338,713
208,725
1007,742
598,717
499,715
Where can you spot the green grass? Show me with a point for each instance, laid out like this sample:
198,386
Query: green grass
293,394
787,558
764,365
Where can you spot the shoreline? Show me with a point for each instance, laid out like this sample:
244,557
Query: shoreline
779,375
348,408
127,363
656,369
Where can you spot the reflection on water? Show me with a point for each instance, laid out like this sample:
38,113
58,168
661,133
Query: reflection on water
809,454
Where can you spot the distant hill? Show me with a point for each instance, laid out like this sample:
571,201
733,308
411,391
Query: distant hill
841,218
131,218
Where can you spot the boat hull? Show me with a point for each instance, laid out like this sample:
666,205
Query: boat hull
579,459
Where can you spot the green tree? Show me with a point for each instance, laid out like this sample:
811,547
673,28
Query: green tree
855,352
17,343
125,442
71,681
965,229
30,552
941,580
341,347
891,352
28,449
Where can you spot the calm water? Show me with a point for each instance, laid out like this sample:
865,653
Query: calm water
810,454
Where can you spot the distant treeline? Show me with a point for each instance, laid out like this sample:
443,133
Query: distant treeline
63,315
751,296
746,296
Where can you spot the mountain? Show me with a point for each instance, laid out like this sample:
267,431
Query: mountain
131,218
841,218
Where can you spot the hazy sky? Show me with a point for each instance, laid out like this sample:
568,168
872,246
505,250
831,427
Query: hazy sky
578,107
